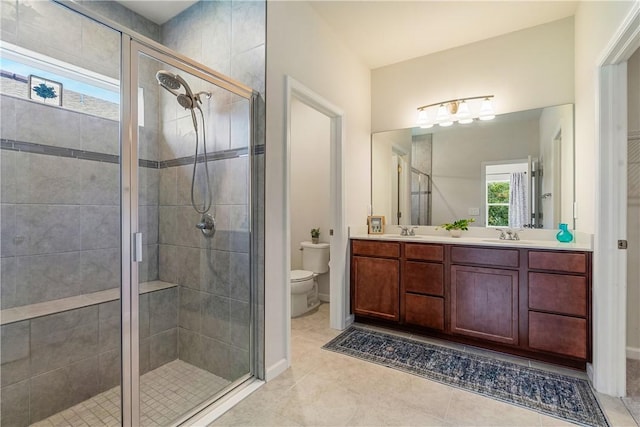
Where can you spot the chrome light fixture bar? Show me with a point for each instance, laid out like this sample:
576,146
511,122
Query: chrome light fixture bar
455,110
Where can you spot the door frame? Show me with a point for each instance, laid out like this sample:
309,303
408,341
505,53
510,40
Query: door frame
608,371
338,295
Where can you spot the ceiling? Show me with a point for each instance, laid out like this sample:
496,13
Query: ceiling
386,32
158,11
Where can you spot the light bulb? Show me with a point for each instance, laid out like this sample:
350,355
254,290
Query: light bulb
443,118
422,117
423,120
464,114
486,111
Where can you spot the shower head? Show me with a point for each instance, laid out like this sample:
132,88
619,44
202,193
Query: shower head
172,83
168,80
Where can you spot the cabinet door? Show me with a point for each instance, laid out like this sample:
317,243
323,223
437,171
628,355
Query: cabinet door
560,293
558,334
376,287
424,310
484,303
423,278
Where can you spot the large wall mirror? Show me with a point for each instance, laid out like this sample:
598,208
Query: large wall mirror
514,171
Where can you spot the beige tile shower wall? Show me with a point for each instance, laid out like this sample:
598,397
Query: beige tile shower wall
213,275
50,29
60,222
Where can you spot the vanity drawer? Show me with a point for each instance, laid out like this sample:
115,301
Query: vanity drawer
423,252
570,262
424,311
423,278
559,293
485,256
558,334
375,248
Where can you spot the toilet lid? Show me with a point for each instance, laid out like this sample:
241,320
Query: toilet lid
300,275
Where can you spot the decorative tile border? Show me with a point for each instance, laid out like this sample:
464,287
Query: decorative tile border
49,150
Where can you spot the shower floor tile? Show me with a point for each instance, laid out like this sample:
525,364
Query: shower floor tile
166,393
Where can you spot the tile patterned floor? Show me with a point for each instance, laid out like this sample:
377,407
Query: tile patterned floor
166,393
323,388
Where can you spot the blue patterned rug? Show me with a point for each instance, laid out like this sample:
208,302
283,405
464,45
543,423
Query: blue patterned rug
560,396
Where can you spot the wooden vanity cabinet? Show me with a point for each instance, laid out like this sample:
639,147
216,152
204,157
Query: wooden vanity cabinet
375,279
422,286
484,299
484,303
559,308
530,302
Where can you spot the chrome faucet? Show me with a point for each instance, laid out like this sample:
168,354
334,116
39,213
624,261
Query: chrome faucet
508,234
407,230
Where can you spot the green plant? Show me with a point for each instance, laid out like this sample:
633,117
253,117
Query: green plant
461,224
315,233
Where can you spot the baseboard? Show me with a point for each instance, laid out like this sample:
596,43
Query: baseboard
633,353
276,369
590,372
349,321
223,405
324,297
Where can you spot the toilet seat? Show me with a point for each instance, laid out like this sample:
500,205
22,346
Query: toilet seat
301,275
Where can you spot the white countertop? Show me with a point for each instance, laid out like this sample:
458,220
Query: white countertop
477,236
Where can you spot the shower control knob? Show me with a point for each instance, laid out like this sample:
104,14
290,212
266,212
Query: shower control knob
207,225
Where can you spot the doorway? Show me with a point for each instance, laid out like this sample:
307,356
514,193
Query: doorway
338,291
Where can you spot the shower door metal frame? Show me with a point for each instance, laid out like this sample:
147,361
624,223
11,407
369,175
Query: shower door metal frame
131,341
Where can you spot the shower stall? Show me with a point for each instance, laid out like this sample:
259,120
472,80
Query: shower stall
131,212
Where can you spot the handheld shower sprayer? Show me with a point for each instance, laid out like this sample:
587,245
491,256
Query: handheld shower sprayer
190,101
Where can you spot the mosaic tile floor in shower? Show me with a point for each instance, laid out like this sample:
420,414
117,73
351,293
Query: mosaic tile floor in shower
166,393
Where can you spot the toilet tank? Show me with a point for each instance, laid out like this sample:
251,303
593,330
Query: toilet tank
315,257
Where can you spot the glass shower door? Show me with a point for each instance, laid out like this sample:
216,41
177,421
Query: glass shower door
194,282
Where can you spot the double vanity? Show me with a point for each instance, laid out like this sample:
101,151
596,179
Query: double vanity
527,297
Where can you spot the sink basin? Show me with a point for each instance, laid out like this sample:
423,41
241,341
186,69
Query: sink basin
509,242
397,236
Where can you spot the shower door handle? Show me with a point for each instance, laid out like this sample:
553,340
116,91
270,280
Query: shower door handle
137,247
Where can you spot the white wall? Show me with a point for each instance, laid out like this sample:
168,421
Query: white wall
301,45
310,168
527,69
458,154
633,213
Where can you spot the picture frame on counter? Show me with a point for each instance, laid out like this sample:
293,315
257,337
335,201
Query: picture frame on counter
376,224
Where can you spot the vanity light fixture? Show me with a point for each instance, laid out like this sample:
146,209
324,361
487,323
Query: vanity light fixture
455,110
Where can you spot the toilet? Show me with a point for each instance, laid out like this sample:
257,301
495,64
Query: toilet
304,283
